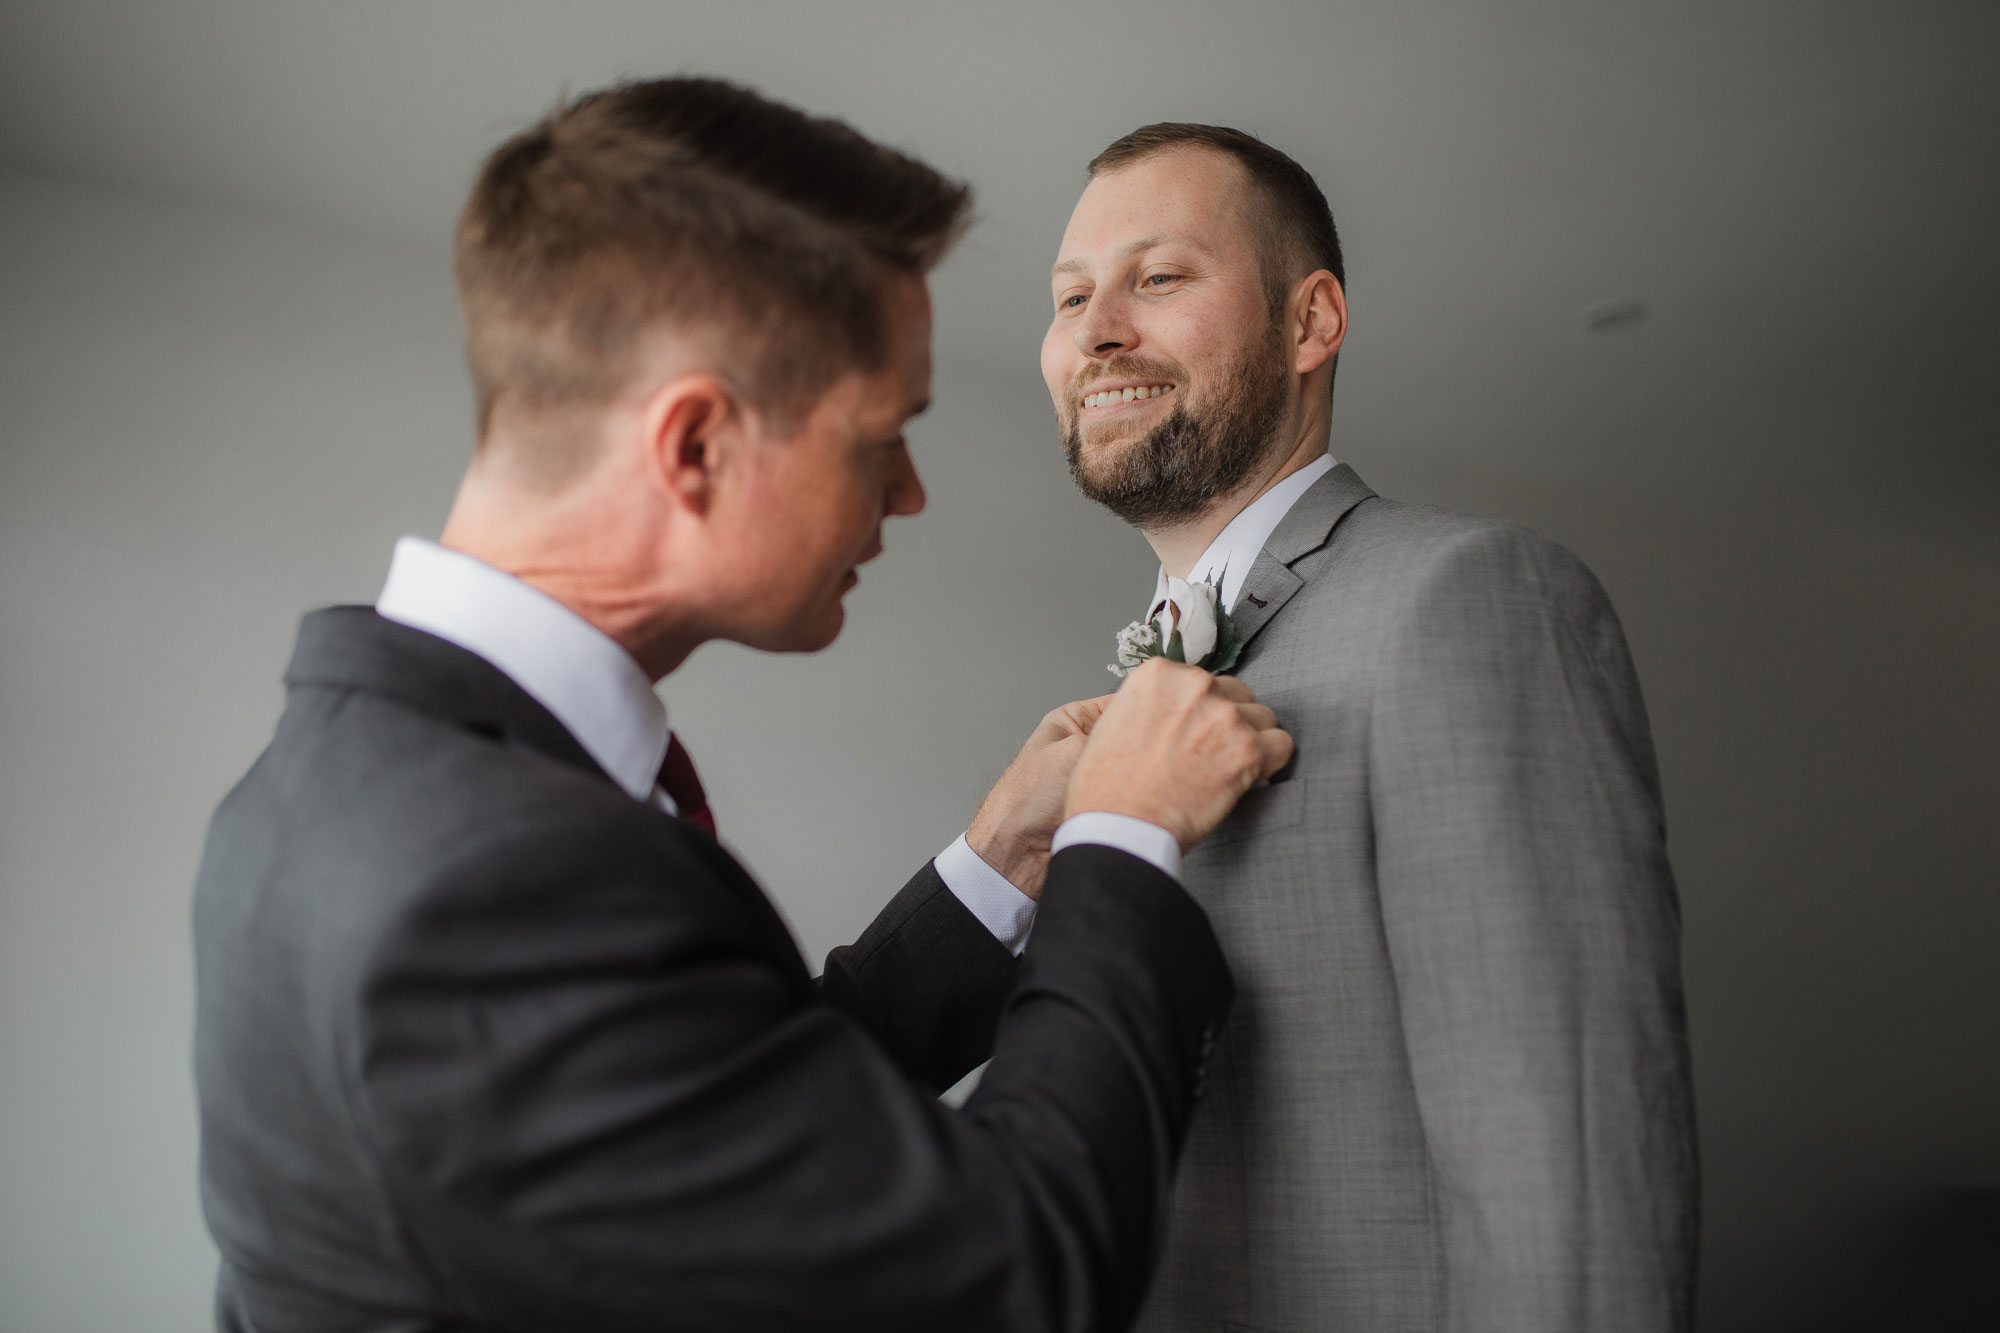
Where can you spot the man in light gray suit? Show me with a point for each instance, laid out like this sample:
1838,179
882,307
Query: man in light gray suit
1454,1094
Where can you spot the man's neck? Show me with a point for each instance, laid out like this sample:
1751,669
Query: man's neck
1180,545
582,565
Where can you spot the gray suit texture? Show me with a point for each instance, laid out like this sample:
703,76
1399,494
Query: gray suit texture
1454,1094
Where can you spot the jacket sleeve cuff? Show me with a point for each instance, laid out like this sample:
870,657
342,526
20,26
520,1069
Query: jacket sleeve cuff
1127,833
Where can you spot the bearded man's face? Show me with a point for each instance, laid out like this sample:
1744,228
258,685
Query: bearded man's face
1212,438
1165,359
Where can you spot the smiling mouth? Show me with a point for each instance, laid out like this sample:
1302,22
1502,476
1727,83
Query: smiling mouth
1131,393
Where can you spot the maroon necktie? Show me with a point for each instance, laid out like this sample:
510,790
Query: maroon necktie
677,776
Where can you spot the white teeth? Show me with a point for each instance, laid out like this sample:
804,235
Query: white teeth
1110,396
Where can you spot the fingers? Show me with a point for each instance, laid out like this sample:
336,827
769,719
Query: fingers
1151,674
1076,718
1158,673
1232,689
1176,747
1083,714
1257,716
1274,751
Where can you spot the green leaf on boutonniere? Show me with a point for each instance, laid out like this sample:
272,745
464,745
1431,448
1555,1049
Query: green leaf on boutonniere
1228,643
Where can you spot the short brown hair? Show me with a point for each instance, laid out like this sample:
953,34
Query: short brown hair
1299,233
688,203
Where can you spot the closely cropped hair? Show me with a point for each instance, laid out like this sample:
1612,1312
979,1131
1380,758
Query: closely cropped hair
689,204
1299,233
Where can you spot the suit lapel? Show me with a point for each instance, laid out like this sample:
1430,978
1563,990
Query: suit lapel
1266,588
1272,582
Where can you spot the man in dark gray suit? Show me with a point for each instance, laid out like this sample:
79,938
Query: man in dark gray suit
1455,1092
491,1032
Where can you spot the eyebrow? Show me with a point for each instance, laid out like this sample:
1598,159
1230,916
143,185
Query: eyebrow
1129,248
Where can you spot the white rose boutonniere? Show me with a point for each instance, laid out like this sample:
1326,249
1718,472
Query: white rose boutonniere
1191,626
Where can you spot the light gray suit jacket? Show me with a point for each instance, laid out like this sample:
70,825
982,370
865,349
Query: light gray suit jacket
1454,1094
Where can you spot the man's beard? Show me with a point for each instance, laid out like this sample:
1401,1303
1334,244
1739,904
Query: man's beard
1174,471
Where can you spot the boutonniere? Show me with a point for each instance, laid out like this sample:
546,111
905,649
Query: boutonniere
1192,626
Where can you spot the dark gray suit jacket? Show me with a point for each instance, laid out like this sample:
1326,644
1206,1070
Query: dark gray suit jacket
483,1043
1454,1092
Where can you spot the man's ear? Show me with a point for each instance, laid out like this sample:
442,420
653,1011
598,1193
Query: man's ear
1319,321
690,424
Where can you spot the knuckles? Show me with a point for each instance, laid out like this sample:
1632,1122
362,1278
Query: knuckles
1157,673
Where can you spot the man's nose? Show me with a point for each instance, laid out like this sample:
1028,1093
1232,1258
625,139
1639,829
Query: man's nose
906,491
1106,327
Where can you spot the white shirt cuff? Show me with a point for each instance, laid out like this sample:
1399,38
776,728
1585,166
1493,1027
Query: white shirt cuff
987,894
1128,833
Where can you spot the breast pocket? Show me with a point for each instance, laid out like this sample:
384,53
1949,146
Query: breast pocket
1266,810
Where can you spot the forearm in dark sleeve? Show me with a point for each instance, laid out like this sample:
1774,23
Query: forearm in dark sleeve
1534,931
927,979
657,1134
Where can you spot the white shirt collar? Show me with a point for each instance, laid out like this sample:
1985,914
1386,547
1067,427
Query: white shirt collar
571,667
1236,548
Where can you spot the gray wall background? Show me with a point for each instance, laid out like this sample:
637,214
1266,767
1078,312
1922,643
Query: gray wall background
229,378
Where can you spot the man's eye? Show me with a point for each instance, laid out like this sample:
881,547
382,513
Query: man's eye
1160,279
1072,302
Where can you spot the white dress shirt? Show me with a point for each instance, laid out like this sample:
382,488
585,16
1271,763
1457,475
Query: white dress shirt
990,895
581,675
572,668
1236,548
